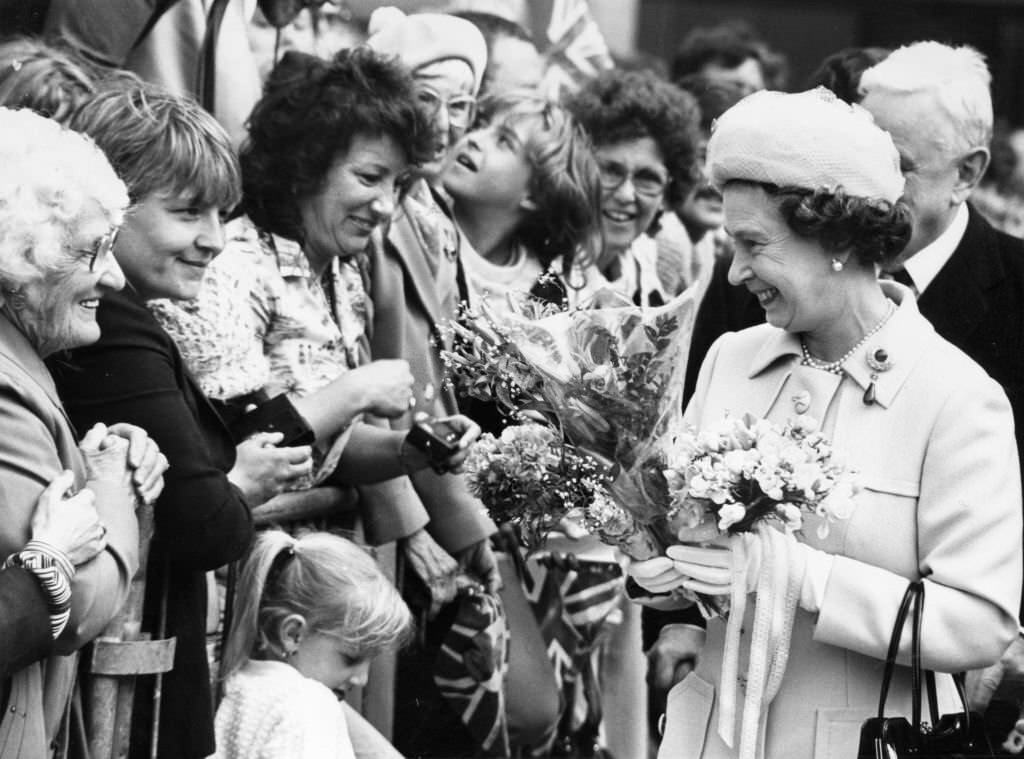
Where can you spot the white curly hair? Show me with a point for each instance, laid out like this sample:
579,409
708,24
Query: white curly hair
49,175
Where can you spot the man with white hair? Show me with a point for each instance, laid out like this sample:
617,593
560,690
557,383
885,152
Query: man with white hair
969,278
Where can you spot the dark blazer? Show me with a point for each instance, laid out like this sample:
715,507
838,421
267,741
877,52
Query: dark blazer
724,308
135,374
24,622
976,301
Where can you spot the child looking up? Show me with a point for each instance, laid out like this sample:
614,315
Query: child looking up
525,192
312,612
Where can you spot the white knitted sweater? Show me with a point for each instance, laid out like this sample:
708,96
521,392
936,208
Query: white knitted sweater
271,711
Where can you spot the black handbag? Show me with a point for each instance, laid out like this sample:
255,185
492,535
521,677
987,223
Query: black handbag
950,736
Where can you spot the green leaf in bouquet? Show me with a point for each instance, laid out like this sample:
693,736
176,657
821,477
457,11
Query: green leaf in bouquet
629,325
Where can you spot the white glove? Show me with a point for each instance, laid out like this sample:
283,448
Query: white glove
657,575
708,570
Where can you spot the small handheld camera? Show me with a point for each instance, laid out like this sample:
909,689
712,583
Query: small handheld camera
438,438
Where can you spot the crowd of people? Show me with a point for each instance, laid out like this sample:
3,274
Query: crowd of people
223,309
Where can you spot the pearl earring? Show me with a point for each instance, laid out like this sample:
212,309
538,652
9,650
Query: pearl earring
837,265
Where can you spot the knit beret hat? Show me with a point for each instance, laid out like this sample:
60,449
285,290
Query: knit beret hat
810,140
422,38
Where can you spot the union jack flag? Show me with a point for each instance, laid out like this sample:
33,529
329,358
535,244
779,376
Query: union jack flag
573,600
470,670
575,47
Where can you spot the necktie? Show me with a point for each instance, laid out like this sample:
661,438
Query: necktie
903,277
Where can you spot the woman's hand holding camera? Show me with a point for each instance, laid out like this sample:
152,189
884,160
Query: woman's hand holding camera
262,470
442,443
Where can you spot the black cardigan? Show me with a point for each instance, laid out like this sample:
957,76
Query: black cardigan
135,374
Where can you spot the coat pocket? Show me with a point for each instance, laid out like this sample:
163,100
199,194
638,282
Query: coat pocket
891,486
837,732
687,718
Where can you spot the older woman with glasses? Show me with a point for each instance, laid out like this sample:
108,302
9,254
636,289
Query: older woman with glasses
644,132
413,271
60,206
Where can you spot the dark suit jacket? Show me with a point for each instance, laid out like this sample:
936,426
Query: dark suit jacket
135,374
24,622
976,301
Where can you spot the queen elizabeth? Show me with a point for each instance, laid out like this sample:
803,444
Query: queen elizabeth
812,191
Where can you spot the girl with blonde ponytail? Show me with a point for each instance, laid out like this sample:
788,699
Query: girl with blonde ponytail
312,612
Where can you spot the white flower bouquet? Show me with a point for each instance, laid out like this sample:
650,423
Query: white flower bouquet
743,470
750,482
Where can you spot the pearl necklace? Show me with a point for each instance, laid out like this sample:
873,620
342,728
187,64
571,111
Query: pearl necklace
836,367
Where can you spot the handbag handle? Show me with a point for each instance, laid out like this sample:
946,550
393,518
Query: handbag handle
894,644
914,596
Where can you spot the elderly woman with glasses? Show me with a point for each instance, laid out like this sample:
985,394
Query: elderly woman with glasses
414,279
60,207
645,135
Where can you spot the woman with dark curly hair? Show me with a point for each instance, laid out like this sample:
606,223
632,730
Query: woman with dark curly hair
281,320
644,131
812,190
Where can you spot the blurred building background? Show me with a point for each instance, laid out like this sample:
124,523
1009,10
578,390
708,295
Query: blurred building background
808,30
804,30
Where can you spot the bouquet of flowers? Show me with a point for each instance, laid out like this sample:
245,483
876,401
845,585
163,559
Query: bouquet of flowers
529,477
740,476
730,476
608,380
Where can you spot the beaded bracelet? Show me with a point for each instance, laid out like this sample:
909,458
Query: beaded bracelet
54,571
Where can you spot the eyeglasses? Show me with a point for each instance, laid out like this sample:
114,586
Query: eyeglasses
461,108
645,181
100,249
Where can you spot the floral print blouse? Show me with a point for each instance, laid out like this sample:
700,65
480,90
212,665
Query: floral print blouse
264,321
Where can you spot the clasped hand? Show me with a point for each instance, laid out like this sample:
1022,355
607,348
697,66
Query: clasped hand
698,569
109,450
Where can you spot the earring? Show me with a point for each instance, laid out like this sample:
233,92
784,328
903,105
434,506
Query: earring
837,265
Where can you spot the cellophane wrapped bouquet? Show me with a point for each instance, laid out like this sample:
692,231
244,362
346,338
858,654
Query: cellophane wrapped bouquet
607,381
749,481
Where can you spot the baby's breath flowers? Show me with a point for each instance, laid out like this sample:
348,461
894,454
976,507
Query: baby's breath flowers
529,477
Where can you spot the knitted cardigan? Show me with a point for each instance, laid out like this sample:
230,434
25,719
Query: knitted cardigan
271,711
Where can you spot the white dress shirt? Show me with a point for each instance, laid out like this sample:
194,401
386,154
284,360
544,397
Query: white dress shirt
925,265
